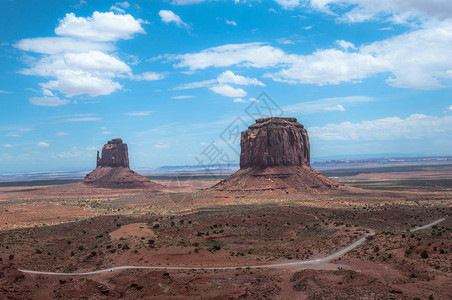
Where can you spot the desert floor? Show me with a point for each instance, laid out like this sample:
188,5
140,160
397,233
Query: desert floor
73,228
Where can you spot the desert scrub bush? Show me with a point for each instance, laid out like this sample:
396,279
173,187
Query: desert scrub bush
214,246
424,254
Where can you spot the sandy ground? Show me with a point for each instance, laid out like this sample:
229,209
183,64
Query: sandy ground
75,228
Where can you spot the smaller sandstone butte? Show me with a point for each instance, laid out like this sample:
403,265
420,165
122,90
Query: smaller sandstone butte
113,170
275,158
114,154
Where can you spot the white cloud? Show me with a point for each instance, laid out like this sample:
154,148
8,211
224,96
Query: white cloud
288,4
335,108
324,104
168,16
396,11
195,85
43,144
330,66
229,77
229,22
182,97
3,92
80,61
7,145
83,119
139,113
239,100
285,41
149,76
61,133
228,91
450,107
106,132
120,6
101,27
345,45
405,57
159,146
256,55
55,45
48,101
416,126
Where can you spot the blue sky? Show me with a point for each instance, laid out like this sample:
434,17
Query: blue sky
169,77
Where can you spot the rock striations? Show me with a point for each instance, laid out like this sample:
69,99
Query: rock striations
275,158
113,170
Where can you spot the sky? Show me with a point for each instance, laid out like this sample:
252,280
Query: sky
178,80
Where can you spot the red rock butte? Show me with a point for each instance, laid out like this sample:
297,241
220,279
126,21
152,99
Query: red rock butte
275,157
112,170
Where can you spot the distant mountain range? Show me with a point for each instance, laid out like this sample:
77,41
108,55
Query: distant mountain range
227,169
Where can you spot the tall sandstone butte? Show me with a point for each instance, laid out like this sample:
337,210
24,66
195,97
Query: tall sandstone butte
275,158
112,170
275,142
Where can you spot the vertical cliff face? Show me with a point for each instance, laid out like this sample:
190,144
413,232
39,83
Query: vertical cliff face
113,170
114,154
275,158
275,142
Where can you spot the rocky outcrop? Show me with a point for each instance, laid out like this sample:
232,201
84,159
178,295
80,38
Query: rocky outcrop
114,154
113,170
275,158
274,142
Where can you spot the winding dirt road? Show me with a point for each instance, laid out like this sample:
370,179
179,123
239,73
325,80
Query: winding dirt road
280,265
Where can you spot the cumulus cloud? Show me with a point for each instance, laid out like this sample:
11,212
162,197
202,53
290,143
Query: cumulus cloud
43,144
101,27
48,101
81,60
239,100
228,91
416,126
229,77
405,57
168,16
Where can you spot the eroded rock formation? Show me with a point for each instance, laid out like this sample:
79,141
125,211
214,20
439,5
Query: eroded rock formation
274,142
113,170
275,157
114,154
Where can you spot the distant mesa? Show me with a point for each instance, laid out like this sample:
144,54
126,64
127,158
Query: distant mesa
275,157
113,170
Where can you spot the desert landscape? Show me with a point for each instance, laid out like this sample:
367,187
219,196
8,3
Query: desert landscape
276,229
226,149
